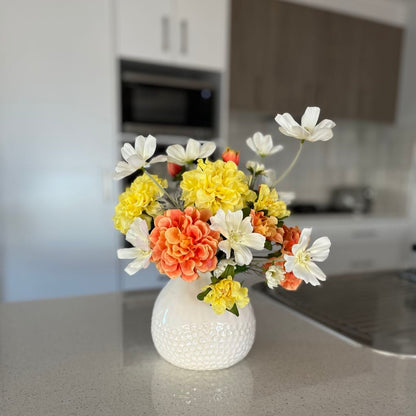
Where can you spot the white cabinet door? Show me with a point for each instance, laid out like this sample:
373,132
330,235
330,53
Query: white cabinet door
360,245
202,33
144,30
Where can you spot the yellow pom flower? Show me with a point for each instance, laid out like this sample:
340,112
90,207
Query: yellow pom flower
139,200
268,199
224,294
215,185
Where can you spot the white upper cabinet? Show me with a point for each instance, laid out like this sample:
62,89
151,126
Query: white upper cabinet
202,33
191,33
143,29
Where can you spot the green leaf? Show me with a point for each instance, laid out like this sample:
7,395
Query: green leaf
240,269
246,212
266,212
280,223
202,295
214,280
268,245
275,254
283,218
229,271
234,310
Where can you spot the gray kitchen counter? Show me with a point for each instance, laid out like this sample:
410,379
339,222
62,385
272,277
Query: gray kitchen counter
94,356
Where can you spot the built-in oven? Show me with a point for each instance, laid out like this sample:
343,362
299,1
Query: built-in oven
173,104
168,101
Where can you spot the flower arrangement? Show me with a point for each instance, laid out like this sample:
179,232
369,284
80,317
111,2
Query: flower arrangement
222,221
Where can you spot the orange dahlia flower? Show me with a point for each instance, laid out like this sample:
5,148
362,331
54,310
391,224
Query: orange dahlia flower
290,237
266,226
290,282
183,244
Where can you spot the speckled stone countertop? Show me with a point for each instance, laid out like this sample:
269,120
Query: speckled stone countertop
94,356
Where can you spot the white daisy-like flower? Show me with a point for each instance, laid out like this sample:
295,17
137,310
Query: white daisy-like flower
239,236
138,236
263,144
137,157
194,150
274,276
308,130
302,262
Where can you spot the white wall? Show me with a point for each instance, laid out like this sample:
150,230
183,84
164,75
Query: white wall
361,153
58,146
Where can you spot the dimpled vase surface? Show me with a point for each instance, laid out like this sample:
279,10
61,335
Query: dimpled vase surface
189,334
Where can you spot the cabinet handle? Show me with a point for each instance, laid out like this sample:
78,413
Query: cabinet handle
184,36
165,34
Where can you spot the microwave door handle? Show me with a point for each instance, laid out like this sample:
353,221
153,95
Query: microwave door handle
165,34
184,36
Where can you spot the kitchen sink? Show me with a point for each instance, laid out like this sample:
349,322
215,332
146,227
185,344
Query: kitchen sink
377,309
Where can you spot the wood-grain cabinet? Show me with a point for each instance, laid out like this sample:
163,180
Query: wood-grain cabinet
189,33
286,56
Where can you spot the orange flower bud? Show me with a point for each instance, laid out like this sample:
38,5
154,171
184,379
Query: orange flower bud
231,155
173,169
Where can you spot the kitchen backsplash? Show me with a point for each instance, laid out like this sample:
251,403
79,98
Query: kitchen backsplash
361,153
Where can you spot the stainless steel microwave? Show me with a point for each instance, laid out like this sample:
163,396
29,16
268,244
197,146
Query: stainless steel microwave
169,102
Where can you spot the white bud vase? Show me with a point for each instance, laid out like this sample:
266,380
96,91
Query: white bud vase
189,334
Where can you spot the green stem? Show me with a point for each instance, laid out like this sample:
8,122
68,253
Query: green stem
162,189
283,175
251,181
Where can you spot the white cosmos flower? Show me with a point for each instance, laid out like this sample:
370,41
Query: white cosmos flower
137,157
302,262
194,150
239,236
262,145
138,236
308,130
274,276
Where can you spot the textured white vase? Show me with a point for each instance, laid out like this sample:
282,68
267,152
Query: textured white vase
189,334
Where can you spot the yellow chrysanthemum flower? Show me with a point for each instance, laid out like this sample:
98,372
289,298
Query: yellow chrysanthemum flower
139,200
215,185
268,199
224,294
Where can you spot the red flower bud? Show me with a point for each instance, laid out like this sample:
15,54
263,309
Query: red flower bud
231,155
173,169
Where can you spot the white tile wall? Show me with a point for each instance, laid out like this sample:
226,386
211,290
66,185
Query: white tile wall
361,153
